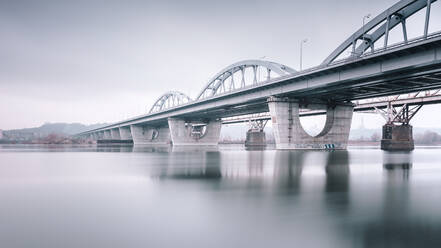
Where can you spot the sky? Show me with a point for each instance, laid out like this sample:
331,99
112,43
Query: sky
104,61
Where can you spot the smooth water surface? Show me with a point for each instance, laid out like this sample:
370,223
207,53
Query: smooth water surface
64,196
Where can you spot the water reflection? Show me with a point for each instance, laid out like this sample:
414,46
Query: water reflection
152,148
165,197
114,148
288,171
337,171
397,164
400,221
192,165
337,183
255,161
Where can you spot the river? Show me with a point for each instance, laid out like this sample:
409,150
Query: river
88,196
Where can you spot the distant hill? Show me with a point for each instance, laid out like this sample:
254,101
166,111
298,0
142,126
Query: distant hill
64,129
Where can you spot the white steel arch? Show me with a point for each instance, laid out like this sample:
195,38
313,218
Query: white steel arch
380,26
169,100
219,84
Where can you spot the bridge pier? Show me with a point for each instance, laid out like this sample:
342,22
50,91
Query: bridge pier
149,135
397,132
186,134
124,133
100,135
114,133
255,137
397,138
289,133
107,134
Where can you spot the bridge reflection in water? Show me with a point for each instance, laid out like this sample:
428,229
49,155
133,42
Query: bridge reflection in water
369,202
224,197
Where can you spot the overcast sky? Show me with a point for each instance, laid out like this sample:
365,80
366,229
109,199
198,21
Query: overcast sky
104,61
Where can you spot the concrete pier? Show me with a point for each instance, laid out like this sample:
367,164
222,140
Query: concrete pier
93,136
107,134
255,138
204,134
114,133
289,133
397,138
125,133
149,135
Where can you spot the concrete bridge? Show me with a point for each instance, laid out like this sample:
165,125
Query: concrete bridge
332,88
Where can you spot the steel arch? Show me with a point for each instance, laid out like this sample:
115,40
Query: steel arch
383,23
219,80
169,100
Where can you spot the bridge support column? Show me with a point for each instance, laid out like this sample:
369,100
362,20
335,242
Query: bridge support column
289,133
115,134
185,134
124,133
149,135
100,135
397,133
397,137
93,136
107,134
255,137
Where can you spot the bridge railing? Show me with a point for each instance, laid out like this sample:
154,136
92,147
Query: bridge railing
370,53
402,43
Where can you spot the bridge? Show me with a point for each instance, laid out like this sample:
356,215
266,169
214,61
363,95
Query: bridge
337,87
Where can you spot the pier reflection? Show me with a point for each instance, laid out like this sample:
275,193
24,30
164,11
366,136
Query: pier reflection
288,167
337,171
337,183
152,148
398,164
399,221
191,164
114,148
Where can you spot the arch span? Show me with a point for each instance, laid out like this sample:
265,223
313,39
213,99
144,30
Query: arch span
380,26
219,83
169,100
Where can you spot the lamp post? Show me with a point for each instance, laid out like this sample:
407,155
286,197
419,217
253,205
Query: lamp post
364,20
301,51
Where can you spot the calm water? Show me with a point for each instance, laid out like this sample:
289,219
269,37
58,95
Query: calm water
140,197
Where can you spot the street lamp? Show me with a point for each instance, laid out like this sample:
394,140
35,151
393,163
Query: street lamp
364,20
301,51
